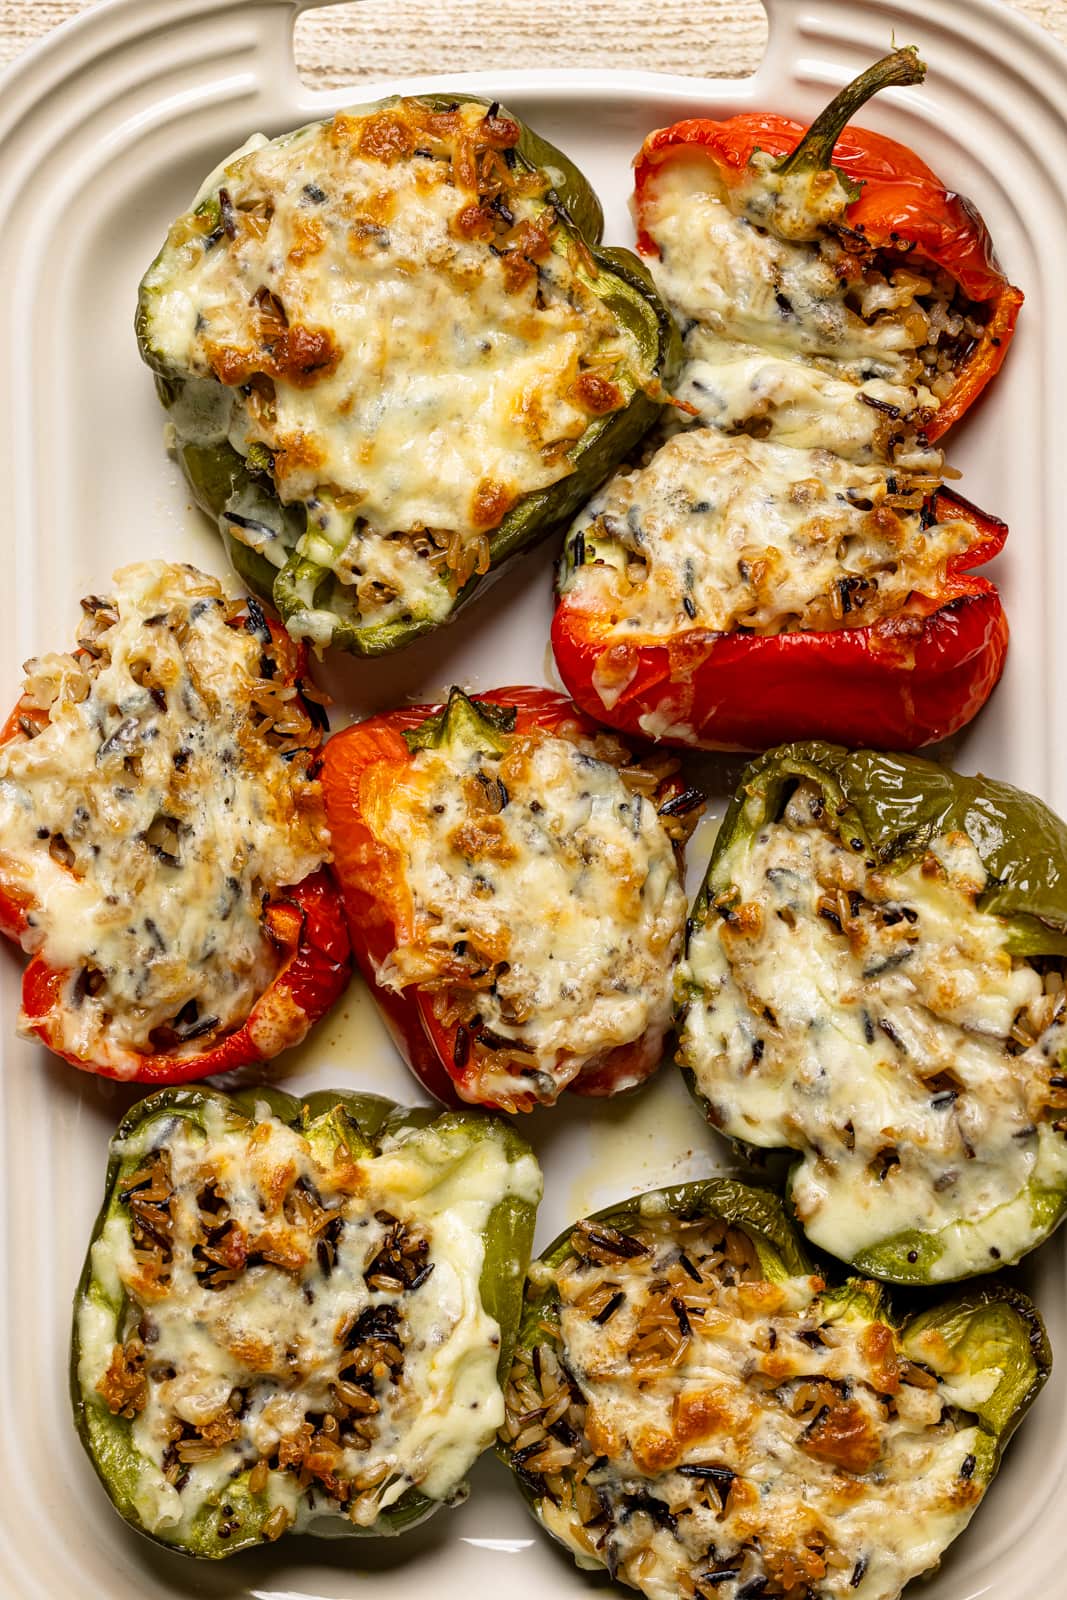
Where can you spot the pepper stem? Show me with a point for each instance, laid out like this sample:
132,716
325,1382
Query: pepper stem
815,151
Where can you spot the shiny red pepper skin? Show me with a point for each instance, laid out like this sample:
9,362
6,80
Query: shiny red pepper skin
902,207
362,764
305,923
902,682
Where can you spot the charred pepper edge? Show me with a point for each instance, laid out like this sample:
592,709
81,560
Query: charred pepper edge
854,812
625,286
761,1214
508,1239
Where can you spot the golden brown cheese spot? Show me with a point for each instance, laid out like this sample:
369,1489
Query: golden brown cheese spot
519,271
251,1351
597,394
309,238
275,1178
880,1349
282,1248
702,1414
296,454
298,355
385,136
844,1436
603,1435
473,222
654,1451
482,838
491,504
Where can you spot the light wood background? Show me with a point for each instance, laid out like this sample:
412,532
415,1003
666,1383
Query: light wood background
380,38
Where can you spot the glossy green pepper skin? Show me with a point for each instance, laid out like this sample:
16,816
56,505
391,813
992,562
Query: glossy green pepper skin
988,1329
892,807
329,1119
221,479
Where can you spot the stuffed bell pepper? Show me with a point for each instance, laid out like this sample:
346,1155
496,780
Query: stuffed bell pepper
393,354
294,1318
512,885
794,567
874,978
830,289
164,848
733,594
694,1408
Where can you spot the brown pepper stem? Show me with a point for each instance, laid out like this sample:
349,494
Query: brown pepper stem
815,151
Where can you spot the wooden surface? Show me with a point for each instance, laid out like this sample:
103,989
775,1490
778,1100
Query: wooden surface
344,43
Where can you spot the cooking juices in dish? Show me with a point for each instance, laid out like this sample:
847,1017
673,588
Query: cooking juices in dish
292,1317
163,837
874,977
393,355
694,1408
513,893
839,309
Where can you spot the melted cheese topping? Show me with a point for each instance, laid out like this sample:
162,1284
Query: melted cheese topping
545,904
402,325
873,1020
730,533
793,328
296,1286
144,822
731,1435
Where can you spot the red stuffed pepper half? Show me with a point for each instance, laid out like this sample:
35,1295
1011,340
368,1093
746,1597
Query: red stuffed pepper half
163,845
733,594
794,567
512,882
831,291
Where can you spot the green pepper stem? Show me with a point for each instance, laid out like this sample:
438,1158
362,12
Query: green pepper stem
815,151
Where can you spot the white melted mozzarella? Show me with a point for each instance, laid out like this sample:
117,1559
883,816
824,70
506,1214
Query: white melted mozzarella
568,895
413,383
831,1467
277,1332
784,331
867,1018
725,533
146,820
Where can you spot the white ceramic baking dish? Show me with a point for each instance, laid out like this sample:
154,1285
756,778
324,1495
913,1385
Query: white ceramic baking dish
105,132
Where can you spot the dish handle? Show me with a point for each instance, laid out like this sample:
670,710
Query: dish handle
785,21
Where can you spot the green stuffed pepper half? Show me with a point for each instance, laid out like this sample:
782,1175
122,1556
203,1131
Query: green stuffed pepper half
692,1407
295,1317
393,354
874,978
